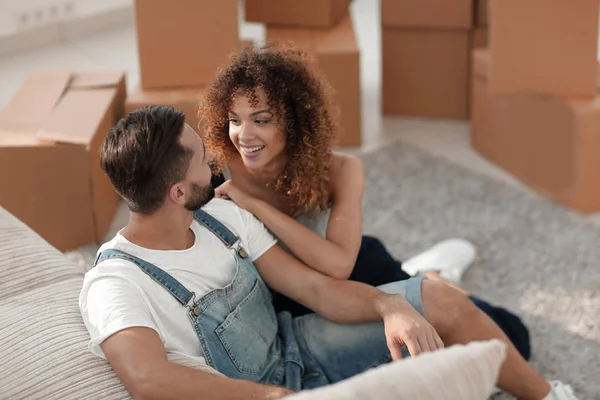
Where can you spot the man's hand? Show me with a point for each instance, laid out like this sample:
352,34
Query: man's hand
230,191
279,393
405,326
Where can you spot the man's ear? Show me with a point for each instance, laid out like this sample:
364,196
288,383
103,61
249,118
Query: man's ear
177,193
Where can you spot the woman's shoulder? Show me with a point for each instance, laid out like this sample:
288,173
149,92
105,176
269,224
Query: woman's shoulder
345,166
347,178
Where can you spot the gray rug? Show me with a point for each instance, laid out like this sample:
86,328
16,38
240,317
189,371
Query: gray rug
534,257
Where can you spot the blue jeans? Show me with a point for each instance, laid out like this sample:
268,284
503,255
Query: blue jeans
333,352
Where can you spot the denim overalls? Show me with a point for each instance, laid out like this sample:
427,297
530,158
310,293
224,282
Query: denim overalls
243,338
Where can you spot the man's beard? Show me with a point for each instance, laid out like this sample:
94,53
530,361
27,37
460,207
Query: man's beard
200,196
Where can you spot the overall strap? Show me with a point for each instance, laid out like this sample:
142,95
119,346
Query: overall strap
221,231
172,285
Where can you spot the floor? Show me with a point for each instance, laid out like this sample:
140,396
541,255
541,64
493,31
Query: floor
116,49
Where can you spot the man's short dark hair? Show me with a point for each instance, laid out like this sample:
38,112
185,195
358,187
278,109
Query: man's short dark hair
143,157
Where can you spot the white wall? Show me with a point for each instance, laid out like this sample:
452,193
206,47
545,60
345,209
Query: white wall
21,15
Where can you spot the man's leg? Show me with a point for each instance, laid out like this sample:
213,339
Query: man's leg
334,352
458,321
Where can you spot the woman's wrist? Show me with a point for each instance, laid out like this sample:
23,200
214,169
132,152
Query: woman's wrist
257,207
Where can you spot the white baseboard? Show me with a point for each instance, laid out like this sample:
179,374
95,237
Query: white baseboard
73,28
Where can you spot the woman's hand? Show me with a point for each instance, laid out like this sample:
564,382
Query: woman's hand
230,191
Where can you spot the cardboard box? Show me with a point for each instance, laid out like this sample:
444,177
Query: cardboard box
338,57
182,43
297,13
186,100
549,143
480,37
544,46
444,14
481,13
425,72
50,176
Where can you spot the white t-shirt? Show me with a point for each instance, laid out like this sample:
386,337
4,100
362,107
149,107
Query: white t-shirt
117,294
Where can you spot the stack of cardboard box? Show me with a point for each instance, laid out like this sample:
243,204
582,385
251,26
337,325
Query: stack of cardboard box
425,57
50,133
535,102
181,44
324,28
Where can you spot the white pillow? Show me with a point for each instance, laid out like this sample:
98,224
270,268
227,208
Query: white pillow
43,348
459,372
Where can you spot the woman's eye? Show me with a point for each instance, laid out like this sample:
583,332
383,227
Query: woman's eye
234,121
262,121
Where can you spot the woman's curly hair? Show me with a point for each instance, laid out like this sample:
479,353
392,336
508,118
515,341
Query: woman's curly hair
301,99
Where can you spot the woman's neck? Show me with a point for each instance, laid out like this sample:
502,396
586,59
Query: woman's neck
266,174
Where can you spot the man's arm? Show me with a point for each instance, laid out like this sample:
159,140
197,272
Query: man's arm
138,357
123,329
349,302
337,300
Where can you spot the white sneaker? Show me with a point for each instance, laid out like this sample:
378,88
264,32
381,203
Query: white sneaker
560,391
450,257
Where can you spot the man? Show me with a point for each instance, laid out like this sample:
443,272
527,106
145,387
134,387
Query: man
175,280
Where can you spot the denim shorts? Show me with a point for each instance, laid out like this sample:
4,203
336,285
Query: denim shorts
333,352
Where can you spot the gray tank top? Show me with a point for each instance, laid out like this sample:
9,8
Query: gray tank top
316,221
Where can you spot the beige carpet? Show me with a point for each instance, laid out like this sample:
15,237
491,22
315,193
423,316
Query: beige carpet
534,257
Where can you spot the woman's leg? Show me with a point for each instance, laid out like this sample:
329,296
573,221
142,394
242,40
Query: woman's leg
457,321
435,276
376,266
511,325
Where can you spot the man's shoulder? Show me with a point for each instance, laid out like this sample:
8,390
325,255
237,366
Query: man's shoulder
111,244
110,274
113,266
219,205
226,212
239,221
119,243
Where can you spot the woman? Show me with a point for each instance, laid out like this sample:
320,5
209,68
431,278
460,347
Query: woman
269,125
